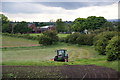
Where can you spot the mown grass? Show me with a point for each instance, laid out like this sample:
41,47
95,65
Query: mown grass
42,55
12,41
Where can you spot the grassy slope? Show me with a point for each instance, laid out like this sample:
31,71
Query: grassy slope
78,55
11,41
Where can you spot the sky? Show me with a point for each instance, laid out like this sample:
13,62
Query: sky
45,11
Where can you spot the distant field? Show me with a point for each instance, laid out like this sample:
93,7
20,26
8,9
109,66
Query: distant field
60,35
17,42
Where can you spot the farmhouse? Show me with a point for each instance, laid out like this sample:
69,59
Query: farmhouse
45,28
40,29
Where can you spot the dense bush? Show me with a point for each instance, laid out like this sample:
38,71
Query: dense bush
72,38
89,39
101,41
85,39
77,38
62,39
81,39
112,49
45,40
100,45
52,34
48,38
66,39
108,35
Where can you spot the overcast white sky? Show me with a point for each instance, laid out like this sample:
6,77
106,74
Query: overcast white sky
68,11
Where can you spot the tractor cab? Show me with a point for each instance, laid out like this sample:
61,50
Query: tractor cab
61,55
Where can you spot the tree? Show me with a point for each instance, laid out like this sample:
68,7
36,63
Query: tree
6,26
80,20
79,24
22,27
77,27
48,38
94,22
60,26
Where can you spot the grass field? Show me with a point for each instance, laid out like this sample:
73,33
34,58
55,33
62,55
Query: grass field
60,35
42,55
12,41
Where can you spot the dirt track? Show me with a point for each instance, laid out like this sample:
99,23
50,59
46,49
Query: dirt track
67,71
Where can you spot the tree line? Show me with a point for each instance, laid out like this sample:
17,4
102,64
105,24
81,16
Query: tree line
91,23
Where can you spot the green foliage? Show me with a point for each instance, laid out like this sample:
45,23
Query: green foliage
108,35
85,39
101,41
45,40
4,19
72,38
48,38
22,27
100,45
112,49
80,20
60,26
6,26
81,39
94,22
77,27
77,38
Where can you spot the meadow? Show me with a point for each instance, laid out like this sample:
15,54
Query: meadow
43,55
17,42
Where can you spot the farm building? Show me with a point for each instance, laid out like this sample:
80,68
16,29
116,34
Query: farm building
45,28
40,29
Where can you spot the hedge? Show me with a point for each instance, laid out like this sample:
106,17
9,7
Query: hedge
113,49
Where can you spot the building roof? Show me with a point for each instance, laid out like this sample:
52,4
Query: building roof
46,26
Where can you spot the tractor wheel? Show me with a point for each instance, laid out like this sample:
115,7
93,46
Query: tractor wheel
55,59
66,60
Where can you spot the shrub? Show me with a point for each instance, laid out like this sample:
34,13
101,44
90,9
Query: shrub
72,38
62,39
108,35
85,39
67,38
112,49
52,34
81,39
101,41
45,40
48,37
100,45
89,39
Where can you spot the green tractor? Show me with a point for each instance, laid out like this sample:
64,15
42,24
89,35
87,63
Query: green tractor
61,55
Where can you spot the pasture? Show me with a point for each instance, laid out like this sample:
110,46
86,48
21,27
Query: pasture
17,42
36,61
42,55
